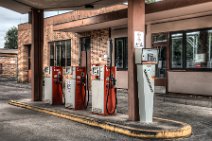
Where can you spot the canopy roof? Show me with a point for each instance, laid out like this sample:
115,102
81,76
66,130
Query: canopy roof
25,6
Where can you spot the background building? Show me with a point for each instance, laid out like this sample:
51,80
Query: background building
8,64
184,40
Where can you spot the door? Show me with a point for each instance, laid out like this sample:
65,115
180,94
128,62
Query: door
161,42
85,44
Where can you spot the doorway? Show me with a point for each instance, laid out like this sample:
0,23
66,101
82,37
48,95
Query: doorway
161,42
85,45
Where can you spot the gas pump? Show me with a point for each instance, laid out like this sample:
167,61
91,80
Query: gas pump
75,88
103,90
146,87
52,85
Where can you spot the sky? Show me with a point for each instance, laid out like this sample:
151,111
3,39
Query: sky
10,18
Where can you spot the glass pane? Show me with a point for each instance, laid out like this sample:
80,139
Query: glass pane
85,43
68,53
196,50
177,50
63,54
210,49
58,53
161,67
119,53
51,54
126,53
158,38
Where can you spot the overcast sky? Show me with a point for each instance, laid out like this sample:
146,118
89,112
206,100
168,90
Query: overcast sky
10,18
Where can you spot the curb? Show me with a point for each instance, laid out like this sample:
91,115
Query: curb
184,131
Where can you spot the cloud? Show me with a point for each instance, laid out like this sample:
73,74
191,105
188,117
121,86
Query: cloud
9,19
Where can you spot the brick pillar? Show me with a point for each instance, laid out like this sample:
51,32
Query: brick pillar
37,53
136,22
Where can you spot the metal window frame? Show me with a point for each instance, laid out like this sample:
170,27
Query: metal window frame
55,52
125,50
184,68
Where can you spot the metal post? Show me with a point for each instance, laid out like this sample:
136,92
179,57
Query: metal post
37,53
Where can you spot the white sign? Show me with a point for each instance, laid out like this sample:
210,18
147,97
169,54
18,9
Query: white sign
200,58
139,39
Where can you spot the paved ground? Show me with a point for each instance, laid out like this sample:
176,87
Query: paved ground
18,124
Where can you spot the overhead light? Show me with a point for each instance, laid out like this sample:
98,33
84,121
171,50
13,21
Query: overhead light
125,3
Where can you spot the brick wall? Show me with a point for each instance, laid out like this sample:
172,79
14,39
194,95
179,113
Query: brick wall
99,40
24,39
8,67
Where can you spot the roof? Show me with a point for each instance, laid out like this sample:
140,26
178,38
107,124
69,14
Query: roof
161,13
25,6
8,51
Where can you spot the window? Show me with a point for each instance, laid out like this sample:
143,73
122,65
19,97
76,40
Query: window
52,54
29,57
177,50
85,43
209,65
121,53
192,47
60,53
160,38
1,69
191,50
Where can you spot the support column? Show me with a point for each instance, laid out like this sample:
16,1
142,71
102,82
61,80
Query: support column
37,53
136,22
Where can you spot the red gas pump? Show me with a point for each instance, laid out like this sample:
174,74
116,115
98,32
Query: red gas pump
57,93
52,91
103,90
75,93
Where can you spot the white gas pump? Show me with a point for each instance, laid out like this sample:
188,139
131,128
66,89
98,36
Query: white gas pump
146,88
103,90
75,88
52,85
46,95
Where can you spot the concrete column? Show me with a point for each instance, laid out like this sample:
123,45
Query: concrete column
37,53
148,36
136,22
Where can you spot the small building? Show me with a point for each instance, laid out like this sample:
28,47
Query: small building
184,41
8,64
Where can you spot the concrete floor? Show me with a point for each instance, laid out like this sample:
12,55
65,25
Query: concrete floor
18,124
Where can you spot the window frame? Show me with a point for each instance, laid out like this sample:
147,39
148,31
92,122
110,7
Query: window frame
125,44
184,51
55,51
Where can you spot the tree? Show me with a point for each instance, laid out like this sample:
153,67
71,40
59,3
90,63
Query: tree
151,1
11,38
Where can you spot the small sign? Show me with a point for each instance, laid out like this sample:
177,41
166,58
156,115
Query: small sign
139,39
200,58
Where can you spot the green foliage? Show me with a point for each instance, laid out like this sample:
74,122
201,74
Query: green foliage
151,1
11,38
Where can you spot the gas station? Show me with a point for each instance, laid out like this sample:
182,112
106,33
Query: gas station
74,94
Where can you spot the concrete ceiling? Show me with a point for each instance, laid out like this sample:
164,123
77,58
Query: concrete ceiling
24,6
198,10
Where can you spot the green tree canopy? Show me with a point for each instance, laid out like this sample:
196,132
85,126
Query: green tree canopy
151,1
11,38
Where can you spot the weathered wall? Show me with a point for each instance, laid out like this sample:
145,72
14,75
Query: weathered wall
99,45
24,39
9,67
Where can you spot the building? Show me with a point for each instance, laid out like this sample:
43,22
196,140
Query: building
184,40
8,64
